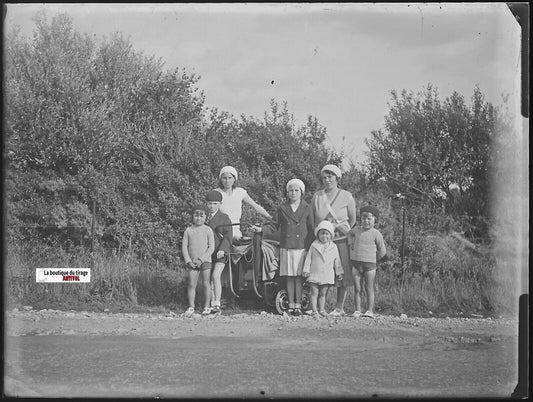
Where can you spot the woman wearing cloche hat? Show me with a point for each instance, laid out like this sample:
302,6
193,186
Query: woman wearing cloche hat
338,207
233,197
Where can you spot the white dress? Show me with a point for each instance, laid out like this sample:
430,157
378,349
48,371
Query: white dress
232,206
322,263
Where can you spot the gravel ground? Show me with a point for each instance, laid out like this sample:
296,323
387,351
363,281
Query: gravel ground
385,356
55,322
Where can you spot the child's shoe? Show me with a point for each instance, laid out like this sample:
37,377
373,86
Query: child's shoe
323,313
337,313
290,311
297,312
189,311
356,314
215,309
207,311
369,314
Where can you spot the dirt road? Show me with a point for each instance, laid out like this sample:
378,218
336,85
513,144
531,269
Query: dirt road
79,354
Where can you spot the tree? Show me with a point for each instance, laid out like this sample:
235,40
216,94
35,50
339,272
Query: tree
94,122
428,149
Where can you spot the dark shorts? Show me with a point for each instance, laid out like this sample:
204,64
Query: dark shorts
205,266
363,267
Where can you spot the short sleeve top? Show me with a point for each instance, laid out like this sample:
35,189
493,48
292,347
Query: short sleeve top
232,204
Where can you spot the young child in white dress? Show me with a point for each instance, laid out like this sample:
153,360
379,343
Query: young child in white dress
321,266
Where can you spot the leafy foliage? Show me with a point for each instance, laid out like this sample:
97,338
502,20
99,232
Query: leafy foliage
98,123
95,124
438,153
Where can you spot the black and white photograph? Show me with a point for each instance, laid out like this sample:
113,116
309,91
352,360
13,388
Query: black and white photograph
265,200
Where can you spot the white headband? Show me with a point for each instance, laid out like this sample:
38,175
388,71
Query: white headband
298,182
334,169
228,169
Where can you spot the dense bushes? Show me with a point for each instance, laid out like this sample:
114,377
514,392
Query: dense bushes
96,126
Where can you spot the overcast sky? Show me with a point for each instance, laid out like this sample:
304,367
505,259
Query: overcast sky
337,62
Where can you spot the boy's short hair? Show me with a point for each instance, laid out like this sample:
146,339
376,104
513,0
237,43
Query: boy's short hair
371,209
200,207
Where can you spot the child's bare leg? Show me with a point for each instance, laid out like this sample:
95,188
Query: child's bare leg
206,276
314,295
322,292
290,290
298,289
369,287
357,288
191,287
216,283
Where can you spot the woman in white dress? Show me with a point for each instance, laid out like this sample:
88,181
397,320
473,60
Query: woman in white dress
338,207
233,197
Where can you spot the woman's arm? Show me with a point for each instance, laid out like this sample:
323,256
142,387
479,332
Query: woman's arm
262,211
351,211
345,226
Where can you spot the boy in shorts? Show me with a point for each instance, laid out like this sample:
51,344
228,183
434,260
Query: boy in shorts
197,247
221,225
366,249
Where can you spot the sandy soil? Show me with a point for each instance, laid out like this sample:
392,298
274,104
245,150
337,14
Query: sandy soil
67,353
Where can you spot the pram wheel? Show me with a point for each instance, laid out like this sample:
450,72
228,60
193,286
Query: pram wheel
282,301
306,300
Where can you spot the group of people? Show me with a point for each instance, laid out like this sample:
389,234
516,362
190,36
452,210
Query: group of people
319,243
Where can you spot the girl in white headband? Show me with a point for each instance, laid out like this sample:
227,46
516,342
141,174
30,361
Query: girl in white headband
233,197
294,219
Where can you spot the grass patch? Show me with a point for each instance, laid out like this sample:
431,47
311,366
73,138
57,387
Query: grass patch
440,281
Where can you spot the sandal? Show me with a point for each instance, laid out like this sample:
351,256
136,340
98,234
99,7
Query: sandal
369,314
356,314
297,312
207,311
323,313
190,311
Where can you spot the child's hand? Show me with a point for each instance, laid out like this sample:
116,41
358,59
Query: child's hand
339,277
305,274
191,265
198,263
220,254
